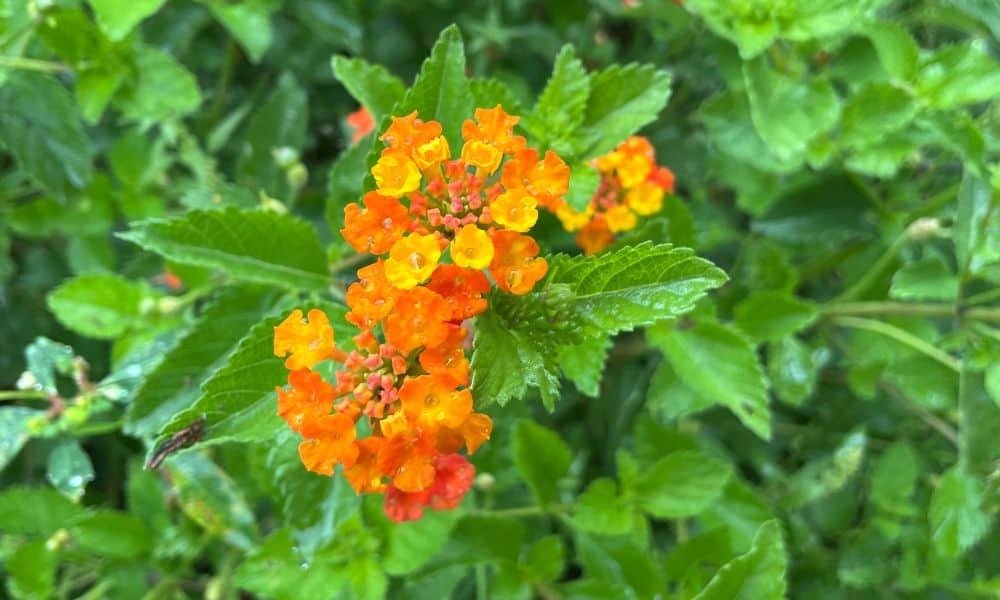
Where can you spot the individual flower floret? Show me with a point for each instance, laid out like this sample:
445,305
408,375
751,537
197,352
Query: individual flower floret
515,210
372,297
362,122
409,133
378,226
412,260
431,402
396,174
307,342
462,289
419,319
516,267
472,248
310,398
329,440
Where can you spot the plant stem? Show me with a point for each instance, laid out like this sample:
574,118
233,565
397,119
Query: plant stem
525,511
889,308
22,395
983,297
934,422
984,314
902,337
31,64
876,271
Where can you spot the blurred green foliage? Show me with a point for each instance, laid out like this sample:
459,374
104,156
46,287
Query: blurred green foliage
823,423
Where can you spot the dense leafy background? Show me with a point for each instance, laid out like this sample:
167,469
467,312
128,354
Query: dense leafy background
805,404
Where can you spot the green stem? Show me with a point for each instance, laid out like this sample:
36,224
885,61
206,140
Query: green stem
933,421
482,591
889,308
983,297
22,395
902,337
984,314
873,274
31,64
525,511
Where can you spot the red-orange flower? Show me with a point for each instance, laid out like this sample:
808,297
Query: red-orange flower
362,122
419,319
378,226
310,398
462,289
329,440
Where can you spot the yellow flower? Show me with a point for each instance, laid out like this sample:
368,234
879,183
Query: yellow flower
432,153
482,155
573,220
412,260
633,170
472,248
515,210
608,162
645,198
620,218
395,174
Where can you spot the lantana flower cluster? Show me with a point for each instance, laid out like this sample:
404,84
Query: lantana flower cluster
444,231
632,185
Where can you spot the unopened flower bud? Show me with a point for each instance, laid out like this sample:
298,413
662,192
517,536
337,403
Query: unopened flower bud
57,541
147,307
168,305
285,157
484,482
297,176
923,228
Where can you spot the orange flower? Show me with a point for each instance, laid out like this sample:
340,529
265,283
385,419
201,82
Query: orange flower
419,319
409,133
495,127
594,237
329,440
515,210
431,401
395,174
310,398
362,122
476,430
548,180
448,359
472,248
482,154
364,476
462,289
432,153
408,459
664,178
378,226
412,260
372,297
516,267
307,343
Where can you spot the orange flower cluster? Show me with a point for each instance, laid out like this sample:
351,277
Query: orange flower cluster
631,185
406,382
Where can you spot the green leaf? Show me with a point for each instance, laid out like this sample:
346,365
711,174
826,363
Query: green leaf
929,278
490,92
162,88
113,534
741,510
542,459
248,21
772,315
758,574
36,511
894,477
976,224
441,90
622,560
238,402
690,560
825,475
373,86
788,113
481,539
117,18
668,398
212,500
248,245
412,544
311,506
896,48
15,431
730,126
279,123
793,368
39,125
583,182
561,106
991,380
979,421
545,560
874,111
274,569
174,384
633,286
69,469
956,520
99,305
718,363
45,359
31,571
601,510
957,75
680,485
622,100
